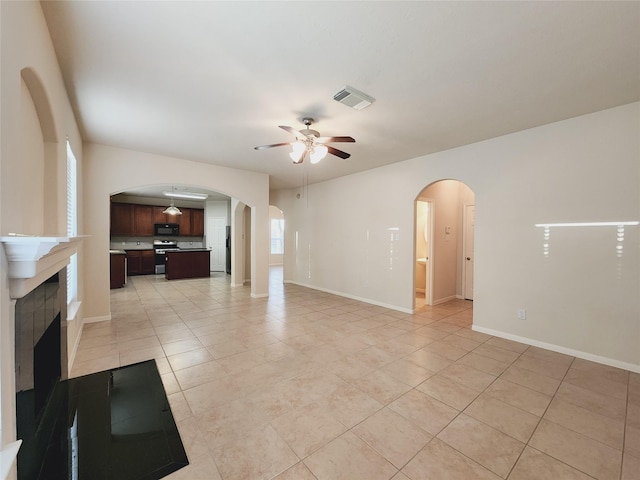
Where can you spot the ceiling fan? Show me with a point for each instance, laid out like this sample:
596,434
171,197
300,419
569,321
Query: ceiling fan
310,142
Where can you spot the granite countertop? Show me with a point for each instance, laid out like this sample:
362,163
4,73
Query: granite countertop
190,250
117,252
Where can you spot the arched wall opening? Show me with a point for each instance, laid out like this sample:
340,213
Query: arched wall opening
32,180
213,211
240,219
110,170
444,227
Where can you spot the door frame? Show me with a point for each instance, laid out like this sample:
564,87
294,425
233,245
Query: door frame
428,294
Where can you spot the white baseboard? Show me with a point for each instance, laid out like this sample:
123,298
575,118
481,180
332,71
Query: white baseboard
444,300
71,355
560,349
102,318
259,295
352,297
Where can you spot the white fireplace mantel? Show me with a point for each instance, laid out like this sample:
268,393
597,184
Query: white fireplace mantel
33,259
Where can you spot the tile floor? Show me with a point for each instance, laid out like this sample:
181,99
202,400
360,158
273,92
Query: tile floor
308,385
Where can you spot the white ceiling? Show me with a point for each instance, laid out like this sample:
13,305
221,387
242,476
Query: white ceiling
208,81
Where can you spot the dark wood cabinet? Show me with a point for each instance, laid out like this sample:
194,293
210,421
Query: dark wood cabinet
118,274
143,220
197,222
184,221
158,216
133,220
141,262
121,219
148,262
186,264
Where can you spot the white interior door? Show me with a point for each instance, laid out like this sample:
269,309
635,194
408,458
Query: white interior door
469,225
216,240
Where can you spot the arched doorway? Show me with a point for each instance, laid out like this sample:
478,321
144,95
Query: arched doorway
444,231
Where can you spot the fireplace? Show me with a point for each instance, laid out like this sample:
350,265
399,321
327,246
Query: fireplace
33,267
40,361
41,353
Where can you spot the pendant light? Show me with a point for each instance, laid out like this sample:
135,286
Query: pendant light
172,209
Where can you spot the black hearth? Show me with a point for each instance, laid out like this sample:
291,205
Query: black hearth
111,425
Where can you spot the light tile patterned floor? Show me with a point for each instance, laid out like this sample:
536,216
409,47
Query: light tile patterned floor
308,385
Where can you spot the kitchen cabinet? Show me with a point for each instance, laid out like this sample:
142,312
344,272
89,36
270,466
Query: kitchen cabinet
118,269
197,222
121,219
159,217
184,221
143,217
187,264
129,220
141,262
133,220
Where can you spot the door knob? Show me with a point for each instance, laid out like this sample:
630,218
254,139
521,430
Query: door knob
468,258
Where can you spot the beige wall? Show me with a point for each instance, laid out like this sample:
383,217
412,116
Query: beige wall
35,120
24,177
355,234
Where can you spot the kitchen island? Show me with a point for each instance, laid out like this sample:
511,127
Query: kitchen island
187,263
118,268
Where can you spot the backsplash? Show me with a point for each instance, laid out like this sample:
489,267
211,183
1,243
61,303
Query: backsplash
146,243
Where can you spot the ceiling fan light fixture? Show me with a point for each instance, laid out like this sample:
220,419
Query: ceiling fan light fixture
296,157
309,142
318,153
299,150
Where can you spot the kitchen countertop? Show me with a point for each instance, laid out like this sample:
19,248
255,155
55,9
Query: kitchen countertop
190,250
117,252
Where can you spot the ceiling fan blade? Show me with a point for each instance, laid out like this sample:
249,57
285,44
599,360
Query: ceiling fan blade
334,139
292,131
263,147
338,153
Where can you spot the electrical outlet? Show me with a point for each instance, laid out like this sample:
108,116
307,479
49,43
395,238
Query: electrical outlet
522,314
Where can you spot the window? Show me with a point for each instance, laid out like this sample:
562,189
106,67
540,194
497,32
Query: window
277,235
72,228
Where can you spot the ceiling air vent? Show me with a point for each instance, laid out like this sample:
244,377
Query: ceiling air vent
353,98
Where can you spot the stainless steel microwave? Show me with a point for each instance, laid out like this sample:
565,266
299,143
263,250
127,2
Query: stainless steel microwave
166,229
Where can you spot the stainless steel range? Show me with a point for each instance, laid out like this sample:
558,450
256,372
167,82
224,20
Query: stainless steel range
161,247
